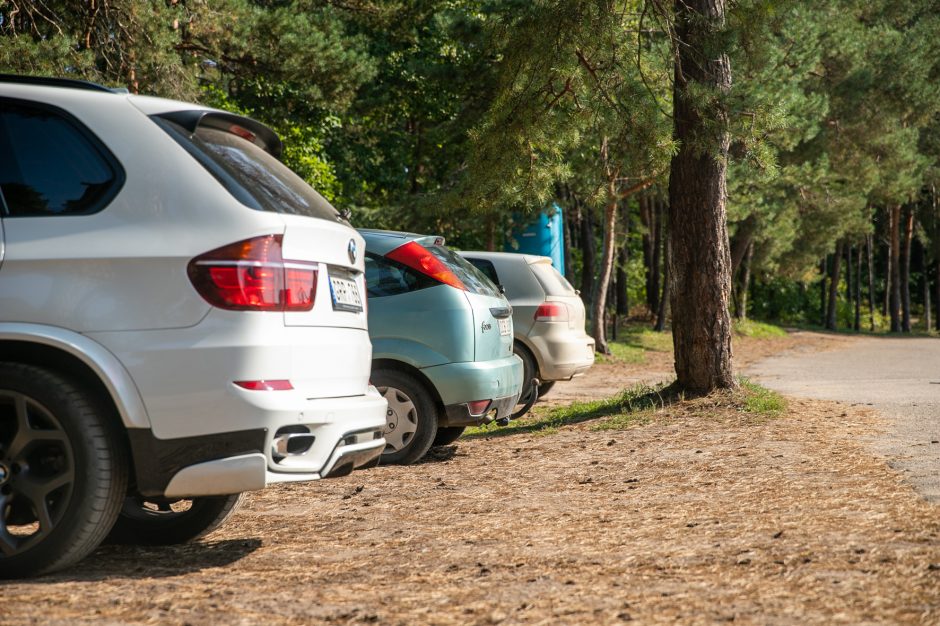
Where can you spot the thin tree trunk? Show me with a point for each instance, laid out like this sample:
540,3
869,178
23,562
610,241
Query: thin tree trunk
647,218
656,216
847,248
858,291
894,306
871,283
587,255
925,272
700,269
566,244
663,311
607,265
745,283
824,271
832,308
623,301
907,235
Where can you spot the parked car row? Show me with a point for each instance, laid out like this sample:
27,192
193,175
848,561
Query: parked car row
183,319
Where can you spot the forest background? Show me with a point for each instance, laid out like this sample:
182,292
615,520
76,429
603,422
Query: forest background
463,118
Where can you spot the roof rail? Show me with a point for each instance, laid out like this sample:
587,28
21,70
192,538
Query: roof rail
71,83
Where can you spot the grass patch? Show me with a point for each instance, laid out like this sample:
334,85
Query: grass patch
623,410
632,344
760,400
758,330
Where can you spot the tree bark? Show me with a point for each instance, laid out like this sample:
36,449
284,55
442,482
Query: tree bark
663,311
824,271
700,267
925,272
894,305
607,265
871,283
587,255
566,245
745,282
832,308
623,301
858,291
907,234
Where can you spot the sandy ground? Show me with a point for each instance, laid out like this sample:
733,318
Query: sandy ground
899,376
697,513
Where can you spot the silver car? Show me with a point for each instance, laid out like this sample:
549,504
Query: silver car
548,317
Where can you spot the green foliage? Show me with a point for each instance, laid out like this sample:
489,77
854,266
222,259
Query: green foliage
758,330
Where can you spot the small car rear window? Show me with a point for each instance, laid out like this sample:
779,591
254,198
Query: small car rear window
476,281
251,175
385,277
551,280
487,268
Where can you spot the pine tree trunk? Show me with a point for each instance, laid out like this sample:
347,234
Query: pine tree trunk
832,308
746,279
924,271
607,266
894,306
907,234
871,283
848,272
824,271
649,228
656,216
700,269
587,255
858,291
566,245
663,311
623,301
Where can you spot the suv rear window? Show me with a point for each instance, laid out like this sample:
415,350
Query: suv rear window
551,280
475,280
251,175
50,165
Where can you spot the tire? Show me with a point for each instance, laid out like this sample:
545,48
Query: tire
544,388
448,434
161,522
58,435
412,417
529,370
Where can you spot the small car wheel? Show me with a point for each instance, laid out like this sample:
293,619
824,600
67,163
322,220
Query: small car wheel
411,418
165,522
529,371
448,434
63,471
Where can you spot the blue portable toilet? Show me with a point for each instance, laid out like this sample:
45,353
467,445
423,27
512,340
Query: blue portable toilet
542,234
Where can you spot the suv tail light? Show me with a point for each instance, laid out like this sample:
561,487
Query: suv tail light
251,275
419,258
552,312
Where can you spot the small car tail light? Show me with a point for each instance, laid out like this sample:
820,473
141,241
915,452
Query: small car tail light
251,275
419,258
552,312
478,407
265,385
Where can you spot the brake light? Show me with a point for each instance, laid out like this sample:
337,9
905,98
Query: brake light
419,258
265,385
478,407
552,312
251,275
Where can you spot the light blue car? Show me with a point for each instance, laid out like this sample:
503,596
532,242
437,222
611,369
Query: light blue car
442,342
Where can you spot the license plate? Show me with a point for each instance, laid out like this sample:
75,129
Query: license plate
504,326
345,294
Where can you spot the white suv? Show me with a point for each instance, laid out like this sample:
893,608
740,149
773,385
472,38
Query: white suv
181,320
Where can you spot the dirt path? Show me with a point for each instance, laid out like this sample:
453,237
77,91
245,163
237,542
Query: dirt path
697,513
899,376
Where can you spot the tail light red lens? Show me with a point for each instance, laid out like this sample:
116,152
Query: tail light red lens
251,275
551,312
419,258
478,407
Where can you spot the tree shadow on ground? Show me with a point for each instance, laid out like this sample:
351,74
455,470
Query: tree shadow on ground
134,562
632,401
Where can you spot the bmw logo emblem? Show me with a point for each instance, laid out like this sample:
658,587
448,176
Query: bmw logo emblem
352,250
4,473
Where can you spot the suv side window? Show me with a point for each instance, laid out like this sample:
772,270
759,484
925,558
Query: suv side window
50,165
487,268
387,278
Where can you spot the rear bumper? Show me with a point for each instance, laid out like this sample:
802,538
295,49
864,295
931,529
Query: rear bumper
459,414
459,383
562,355
344,434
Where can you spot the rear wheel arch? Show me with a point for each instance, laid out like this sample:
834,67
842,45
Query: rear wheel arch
523,345
414,372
